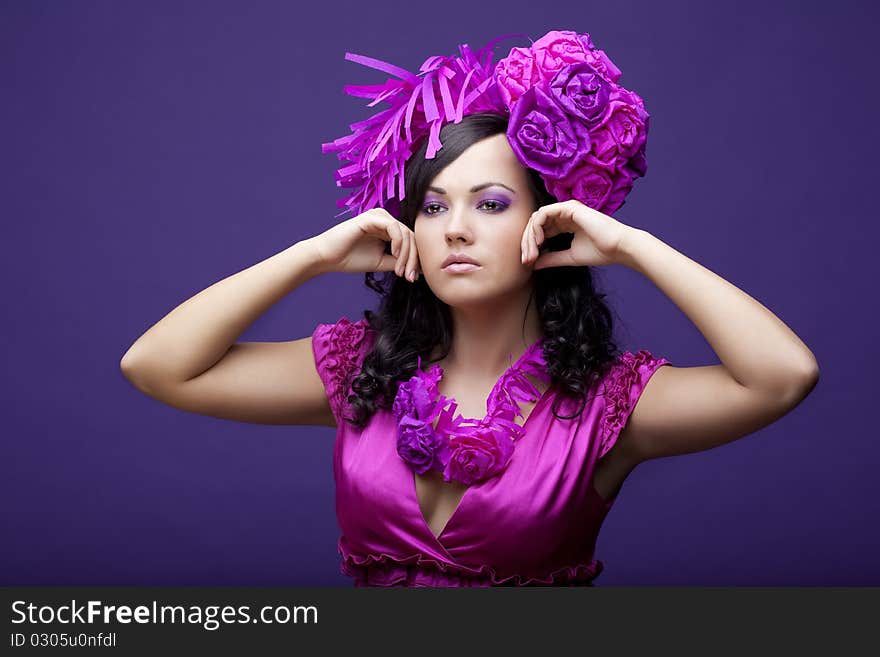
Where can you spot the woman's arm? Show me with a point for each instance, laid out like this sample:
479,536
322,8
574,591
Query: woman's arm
766,369
190,360
197,333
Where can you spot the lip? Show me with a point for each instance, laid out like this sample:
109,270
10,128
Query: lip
458,258
461,267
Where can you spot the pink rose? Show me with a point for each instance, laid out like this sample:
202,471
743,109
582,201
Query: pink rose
515,74
595,185
476,456
622,132
559,48
600,61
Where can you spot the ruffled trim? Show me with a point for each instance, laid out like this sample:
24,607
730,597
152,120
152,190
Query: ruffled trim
419,571
514,386
467,450
620,398
342,343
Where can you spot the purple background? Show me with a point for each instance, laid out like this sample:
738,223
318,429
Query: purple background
150,149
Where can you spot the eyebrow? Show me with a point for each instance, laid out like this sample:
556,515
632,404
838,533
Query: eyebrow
475,188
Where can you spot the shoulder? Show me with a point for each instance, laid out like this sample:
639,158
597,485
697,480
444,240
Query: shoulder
621,387
339,350
340,347
630,367
343,338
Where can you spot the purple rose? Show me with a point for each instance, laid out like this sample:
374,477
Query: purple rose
475,456
417,444
581,91
638,164
402,401
417,396
543,137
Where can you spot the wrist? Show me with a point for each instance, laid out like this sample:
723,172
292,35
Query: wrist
628,248
309,257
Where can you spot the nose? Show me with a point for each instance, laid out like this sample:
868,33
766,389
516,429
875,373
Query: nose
458,226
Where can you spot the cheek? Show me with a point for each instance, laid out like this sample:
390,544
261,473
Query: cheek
423,242
507,238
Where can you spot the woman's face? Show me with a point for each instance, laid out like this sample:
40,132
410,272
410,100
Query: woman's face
461,216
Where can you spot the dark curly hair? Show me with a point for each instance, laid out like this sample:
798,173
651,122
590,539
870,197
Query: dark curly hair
577,324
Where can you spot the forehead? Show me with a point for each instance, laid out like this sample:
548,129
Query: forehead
488,159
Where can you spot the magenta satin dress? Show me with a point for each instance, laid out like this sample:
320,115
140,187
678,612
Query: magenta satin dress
536,523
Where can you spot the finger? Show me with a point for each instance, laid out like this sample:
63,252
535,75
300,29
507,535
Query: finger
553,221
396,245
539,233
535,251
527,242
386,229
394,237
407,251
402,258
413,262
554,259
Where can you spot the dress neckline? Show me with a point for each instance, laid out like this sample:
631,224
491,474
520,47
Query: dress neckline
471,490
531,361
510,388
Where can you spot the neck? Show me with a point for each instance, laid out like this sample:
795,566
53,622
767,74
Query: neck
490,337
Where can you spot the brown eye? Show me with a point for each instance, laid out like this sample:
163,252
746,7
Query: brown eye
499,206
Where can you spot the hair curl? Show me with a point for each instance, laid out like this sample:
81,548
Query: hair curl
578,346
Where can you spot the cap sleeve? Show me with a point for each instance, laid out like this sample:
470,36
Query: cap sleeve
623,385
339,350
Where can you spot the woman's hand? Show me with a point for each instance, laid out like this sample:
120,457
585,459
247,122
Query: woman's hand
597,237
358,245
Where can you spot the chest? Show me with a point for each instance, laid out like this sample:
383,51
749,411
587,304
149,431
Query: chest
541,508
438,500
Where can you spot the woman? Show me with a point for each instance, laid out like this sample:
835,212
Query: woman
485,420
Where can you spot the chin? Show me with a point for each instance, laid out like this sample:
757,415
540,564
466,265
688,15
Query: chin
464,294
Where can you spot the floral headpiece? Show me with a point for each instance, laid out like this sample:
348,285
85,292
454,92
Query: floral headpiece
568,119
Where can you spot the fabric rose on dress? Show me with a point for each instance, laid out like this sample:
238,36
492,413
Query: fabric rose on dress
476,456
416,397
415,406
417,443
464,449
543,137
